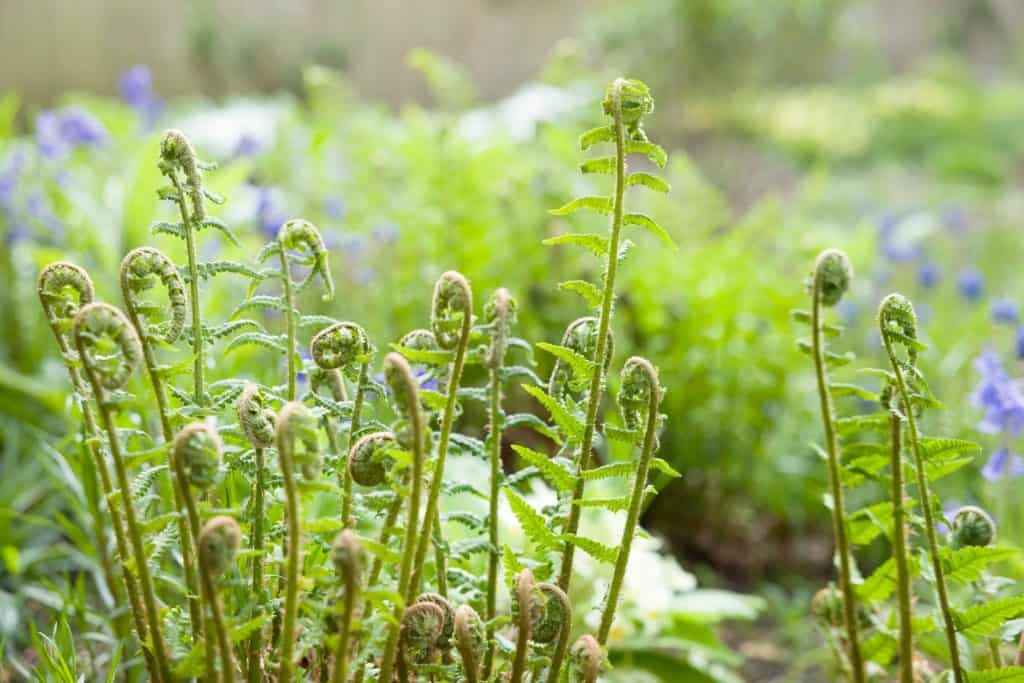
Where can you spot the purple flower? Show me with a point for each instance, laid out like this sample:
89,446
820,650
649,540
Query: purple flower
269,215
40,210
998,396
1005,311
1002,463
136,88
247,146
954,218
16,232
970,284
1020,342
896,247
928,275
59,132
385,232
949,509
10,175
334,207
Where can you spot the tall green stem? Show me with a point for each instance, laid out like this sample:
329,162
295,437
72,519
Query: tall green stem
198,345
289,313
929,516
490,611
354,426
294,543
256,542
899,551
604,326
836,485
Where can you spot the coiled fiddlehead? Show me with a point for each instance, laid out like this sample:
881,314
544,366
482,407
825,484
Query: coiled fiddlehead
444,641
470,640
257,422
400,380
580,336
422,626
140,269
640,396
110,352
298,445
63,289
451,320
346,556
972,526
219,541
500,314
345,347
897,324
829,281
368,460
587,658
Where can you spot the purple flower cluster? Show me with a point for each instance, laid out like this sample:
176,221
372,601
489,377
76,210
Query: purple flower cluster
136,88
1002,401
58,133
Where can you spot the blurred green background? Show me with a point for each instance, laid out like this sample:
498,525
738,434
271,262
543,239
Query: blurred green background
429,136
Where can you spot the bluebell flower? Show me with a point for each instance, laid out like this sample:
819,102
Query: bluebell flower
10,178
247,146
385,232
1003,463
59,132
970,284
136,88
301,376
1005,311
1019,346
40,210
928,275
269,215
894,246
16,232
949,509
334,207
998,396
954,218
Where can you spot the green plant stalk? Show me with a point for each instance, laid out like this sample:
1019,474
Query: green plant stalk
294,542
524,589
836,487
255,641
354,425
192,512
434,495
929,517
184,534
494,408
340,672
558,658
632,516
604,326
289,313
405,568
227,664
199,348
155,636
899,552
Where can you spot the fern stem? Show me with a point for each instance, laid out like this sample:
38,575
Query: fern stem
198,346
289,313
227,664
434,495
255,642
632,517
524,598
192,513
899,551
354,425
294,543
494,386
604,327
836,485
929,517
139,558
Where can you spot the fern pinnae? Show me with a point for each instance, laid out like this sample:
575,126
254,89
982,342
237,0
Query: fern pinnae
298,448
451,320
627,102
63,288
639,399
897,324
140,269
829,281
343,347
92,324
500,313
400,379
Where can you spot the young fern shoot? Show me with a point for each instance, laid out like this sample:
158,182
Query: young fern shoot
627,102
219,541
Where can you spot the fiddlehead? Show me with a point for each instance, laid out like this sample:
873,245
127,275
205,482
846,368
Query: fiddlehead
346,556
587,659
897,324
444,641
581,337
451,319
400,380
257,423
298,446
972,526
110,352
525,611
345,347
140,270
500,313
63,289
422,627
219,541
829,281
470,641
369,459
639,399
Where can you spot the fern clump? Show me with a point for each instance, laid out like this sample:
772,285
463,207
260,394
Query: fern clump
307,533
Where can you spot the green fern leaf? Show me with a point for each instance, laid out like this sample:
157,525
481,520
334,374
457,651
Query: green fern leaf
570,425
648,223
987,618
596,244
600,165
602,205
552,470
532,522
598,551
648,149
651,182
967,564
590,293
596,135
